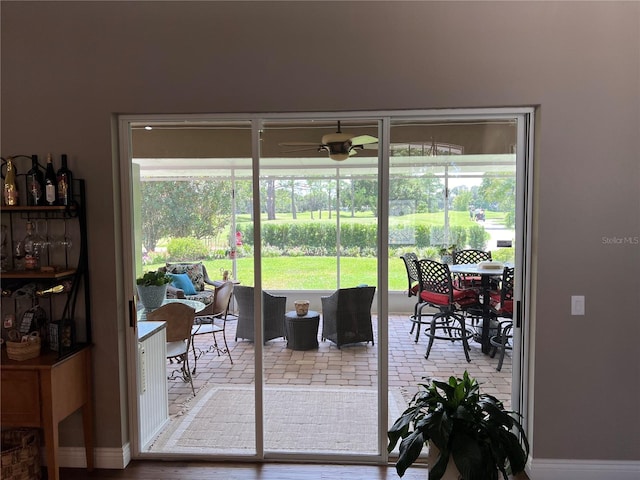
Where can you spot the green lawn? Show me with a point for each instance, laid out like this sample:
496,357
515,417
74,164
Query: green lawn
319,273
309,273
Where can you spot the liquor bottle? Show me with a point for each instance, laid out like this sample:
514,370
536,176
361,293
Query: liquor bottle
35,183
31,251
65,181
10,188
50,183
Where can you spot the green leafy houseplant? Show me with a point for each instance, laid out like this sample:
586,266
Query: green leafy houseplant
152,288
153,278
470,427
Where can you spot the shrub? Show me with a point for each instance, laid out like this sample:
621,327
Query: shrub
183,249
271,251
503,254
478,237
296,252
156,257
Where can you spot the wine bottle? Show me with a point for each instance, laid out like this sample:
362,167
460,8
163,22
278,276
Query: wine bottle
65,181
50,291
50,183
35,183
10,189
31,251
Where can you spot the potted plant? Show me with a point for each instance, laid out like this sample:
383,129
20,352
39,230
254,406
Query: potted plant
446,254
470,435
152,288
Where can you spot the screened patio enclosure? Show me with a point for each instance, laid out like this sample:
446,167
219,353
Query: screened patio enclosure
439,172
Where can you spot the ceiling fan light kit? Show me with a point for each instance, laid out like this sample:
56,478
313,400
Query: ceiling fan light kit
341,146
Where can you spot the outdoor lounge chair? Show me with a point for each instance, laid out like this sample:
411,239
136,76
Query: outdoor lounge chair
274,309
201,287
346,316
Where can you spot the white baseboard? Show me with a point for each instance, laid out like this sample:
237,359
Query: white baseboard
545,469
107,458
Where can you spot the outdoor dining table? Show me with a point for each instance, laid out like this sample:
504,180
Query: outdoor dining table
196,305
485,274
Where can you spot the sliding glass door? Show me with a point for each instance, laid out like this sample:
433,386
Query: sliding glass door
316,209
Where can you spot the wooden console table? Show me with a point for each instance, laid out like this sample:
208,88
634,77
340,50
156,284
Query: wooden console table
42,391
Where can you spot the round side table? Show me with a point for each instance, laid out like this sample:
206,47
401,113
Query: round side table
302,331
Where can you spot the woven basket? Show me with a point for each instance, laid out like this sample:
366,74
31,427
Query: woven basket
24,350
20,455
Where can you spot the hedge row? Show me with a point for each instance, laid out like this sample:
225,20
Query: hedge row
363,236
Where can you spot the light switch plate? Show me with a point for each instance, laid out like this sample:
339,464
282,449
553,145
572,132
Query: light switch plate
577,305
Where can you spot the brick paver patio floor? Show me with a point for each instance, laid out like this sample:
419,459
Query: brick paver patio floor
352,366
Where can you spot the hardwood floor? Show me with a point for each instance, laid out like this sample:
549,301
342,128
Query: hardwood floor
153,470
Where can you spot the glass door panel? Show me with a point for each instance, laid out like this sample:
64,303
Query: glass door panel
452,187
193,182
319,238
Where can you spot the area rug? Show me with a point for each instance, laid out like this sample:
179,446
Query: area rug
297,419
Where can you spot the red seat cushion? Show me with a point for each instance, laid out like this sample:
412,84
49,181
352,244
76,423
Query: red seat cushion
462,297
506,307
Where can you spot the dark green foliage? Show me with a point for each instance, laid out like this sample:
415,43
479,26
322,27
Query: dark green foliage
473,428
356,239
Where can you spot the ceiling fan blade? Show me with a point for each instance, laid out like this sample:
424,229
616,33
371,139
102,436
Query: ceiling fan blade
363,140
303,149
299,144
368,146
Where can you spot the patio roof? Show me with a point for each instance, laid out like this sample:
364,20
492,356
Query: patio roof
455,166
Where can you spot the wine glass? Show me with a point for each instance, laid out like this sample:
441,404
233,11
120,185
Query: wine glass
60,237
64,242
18,254
41,240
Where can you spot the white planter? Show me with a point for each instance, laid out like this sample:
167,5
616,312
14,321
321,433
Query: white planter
152,296
451,473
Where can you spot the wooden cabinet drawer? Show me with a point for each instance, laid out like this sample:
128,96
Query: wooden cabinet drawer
20,398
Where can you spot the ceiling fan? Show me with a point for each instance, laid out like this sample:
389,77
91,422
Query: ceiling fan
339,145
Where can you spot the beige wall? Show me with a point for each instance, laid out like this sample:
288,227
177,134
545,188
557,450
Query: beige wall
68,66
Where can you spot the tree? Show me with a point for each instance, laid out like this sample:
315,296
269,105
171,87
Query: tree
271,199
462,199
426,192
184,208
500,194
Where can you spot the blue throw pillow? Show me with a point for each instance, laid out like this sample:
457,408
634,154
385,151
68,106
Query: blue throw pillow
183,282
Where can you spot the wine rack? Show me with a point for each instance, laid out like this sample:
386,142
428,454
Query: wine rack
60,283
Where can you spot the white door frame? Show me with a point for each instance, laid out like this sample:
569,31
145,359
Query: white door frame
524,157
